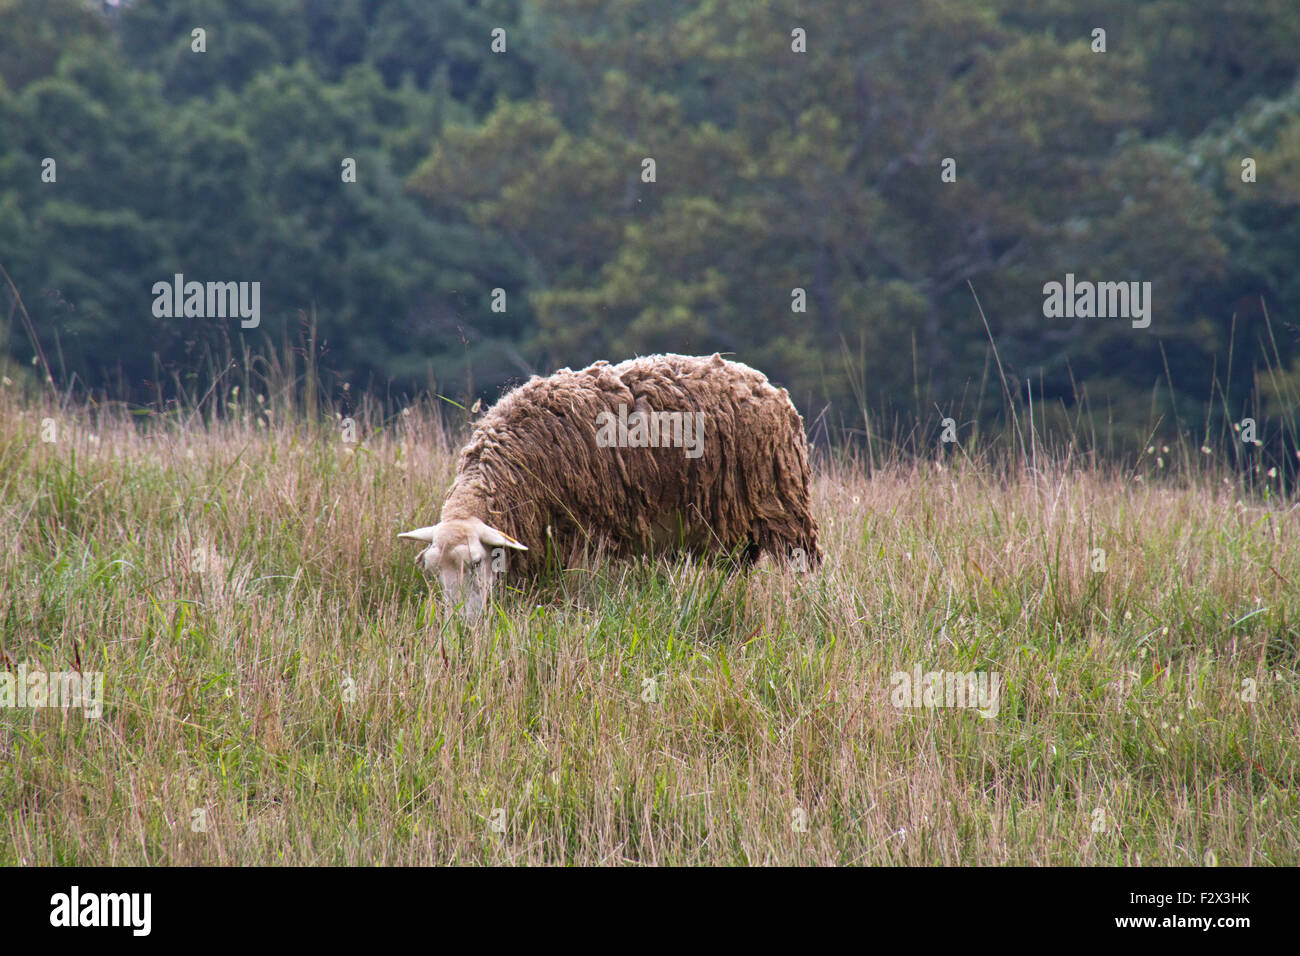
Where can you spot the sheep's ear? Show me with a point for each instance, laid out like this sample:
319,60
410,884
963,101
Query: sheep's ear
420,534
497,539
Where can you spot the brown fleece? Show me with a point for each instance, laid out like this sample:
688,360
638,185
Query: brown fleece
533,469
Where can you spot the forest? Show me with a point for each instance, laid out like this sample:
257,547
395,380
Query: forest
868,201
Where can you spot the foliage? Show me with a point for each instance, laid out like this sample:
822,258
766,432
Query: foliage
775,170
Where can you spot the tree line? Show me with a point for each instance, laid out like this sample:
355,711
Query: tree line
867,200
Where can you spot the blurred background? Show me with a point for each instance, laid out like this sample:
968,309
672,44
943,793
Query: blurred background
523,170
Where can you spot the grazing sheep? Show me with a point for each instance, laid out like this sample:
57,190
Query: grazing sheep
665,451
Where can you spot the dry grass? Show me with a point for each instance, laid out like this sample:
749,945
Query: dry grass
236,580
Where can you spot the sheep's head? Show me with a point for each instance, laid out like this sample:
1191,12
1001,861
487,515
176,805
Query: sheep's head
459,552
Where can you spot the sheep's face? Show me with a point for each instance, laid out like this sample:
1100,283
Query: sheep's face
459,553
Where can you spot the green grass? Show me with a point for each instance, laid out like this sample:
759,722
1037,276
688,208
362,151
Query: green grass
273,660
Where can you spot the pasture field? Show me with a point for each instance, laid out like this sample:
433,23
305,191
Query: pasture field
282,687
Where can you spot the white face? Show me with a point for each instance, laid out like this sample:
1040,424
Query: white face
459,554
458,559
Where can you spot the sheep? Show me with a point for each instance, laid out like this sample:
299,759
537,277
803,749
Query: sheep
663,452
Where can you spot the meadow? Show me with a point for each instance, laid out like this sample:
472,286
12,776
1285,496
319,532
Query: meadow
282,687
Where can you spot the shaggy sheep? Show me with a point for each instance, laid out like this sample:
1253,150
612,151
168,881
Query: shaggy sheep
664,451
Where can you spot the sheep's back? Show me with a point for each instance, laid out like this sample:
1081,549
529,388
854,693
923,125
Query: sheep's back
535,463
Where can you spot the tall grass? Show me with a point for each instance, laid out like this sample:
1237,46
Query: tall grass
282,686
